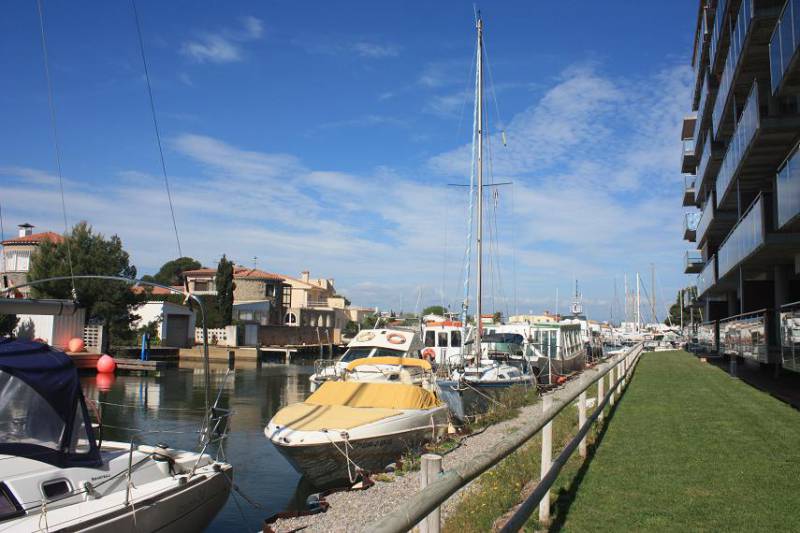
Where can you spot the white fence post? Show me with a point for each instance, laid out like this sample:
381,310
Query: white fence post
600,395
581,422
611,388
430,468
547,457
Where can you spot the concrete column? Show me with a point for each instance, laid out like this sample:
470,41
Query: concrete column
781,289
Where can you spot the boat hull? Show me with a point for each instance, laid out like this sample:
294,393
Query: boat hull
325,465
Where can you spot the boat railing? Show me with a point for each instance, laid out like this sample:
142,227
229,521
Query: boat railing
425,504
322,365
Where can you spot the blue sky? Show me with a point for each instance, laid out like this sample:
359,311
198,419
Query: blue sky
322,137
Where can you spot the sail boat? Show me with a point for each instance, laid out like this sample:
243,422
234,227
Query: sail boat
483,368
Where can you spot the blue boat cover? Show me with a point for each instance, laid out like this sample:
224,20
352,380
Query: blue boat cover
53,376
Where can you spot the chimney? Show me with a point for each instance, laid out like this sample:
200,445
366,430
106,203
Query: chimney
304,275
25,230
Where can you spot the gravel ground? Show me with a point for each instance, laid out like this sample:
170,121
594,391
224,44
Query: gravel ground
353,511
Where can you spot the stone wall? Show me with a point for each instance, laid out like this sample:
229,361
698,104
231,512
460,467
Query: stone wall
295,335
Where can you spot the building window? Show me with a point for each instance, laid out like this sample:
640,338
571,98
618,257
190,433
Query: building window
286,301
270,290
290,319
201,285
18,261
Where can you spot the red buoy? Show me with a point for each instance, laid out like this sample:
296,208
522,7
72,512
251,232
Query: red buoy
106,364
105,381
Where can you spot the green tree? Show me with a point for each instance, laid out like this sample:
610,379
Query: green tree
90,253
369,321
350,329
498,317
225,287
7,324
434,310
170,272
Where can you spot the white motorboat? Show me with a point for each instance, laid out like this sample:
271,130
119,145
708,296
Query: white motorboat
350,427
369,343
57,477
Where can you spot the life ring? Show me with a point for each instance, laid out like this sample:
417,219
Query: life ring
429,354
395,338
365,336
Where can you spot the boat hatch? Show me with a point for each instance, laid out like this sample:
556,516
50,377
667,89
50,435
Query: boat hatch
54,488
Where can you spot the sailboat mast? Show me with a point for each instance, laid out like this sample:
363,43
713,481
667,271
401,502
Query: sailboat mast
479,275
638,305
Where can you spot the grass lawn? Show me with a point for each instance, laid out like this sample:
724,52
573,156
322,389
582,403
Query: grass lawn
688,448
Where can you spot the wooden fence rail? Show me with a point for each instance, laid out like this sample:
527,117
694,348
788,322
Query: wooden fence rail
428,500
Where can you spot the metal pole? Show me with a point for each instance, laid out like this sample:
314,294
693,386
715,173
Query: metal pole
581,421
430,468
638,306
547,457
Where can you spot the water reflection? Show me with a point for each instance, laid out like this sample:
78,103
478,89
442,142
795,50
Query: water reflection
170,405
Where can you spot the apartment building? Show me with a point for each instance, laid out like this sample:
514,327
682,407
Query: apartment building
17,253
742,178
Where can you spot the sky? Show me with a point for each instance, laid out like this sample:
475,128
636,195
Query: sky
329,137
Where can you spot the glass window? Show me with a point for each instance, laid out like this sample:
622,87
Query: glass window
455,339
80,440
388,352
26,417
11,261
441,339
430,339
356,353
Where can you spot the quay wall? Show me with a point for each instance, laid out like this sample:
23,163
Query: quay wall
296,335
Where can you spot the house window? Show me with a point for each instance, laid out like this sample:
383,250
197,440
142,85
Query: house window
201,285
287,296
290,318
270,291
18,261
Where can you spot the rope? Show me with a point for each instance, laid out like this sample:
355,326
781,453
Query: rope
56,142
352,476
155,126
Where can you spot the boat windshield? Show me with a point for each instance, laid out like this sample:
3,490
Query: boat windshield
26,417
369,351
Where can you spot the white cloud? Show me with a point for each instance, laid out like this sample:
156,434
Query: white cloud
223,46
374,50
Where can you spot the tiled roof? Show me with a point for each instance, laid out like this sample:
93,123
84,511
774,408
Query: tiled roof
254,273
34,238
238,272
138,289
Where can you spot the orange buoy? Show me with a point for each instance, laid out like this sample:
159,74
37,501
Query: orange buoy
106,364
561,379
76,344
429,354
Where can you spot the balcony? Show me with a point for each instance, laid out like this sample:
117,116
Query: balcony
688,162
788,192
746,238
746,335
703,113
720,34
690,226
693,263
739,41
707,336
688,191
708,166
783,46
700,55
707,277
706,216
740,143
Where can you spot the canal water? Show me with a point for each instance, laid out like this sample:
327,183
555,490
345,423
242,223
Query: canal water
168,408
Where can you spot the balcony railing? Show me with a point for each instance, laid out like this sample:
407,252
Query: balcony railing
705,219
701,111
790,336
788,189
707,277
690,225
693,262
738,37
704,160
707,336
744,239
742,137
746,335
688,162
719,29
784,42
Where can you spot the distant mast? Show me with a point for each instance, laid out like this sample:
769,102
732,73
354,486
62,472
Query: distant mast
479,275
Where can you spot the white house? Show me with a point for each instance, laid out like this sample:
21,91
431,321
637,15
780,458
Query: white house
175,322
